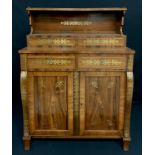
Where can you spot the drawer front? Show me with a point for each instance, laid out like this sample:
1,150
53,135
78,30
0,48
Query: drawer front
76,40
51,63
102,62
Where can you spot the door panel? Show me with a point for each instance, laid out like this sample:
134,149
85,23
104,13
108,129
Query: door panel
51,107
101,103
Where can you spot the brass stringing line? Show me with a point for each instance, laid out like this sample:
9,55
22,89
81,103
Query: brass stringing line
101,41
58,62
76,102
73,23
72,42
101,62
57,42
55,61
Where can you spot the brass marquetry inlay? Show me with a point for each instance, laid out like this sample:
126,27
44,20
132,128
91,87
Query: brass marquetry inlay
94,84
101,62
101,42
76,102
64,41
110,124
56,42
59,84
58,62
76,23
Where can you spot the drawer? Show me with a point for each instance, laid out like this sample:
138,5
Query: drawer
42,63
78,40
102,62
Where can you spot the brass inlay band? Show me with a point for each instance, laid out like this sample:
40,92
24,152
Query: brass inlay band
63,42
101,62
57,42
101,42
58,62
76,102
77,42
76,23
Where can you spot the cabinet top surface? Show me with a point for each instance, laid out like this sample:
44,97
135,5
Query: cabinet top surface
27,50
75,9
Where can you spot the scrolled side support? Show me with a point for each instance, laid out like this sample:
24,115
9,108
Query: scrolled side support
128,104
23,85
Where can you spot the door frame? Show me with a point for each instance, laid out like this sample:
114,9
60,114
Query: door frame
104,133
31,107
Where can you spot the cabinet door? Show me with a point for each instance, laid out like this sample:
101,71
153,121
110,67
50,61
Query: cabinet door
50,102
102,103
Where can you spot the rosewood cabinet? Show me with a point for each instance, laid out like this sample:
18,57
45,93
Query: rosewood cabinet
76,75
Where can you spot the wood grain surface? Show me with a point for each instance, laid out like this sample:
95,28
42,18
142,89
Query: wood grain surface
50,102
101,102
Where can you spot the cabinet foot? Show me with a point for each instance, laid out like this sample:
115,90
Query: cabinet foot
26,143
126,143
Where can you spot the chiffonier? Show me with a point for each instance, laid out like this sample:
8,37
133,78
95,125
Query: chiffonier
76,75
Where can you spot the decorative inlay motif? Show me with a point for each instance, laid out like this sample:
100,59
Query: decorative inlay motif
56,42
68,41
94,84
101,42
101,62
76,23
63,42
58,62
76,102
110,124
59,84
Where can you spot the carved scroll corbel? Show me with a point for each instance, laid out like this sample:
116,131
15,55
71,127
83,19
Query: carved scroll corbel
128,104
23,86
